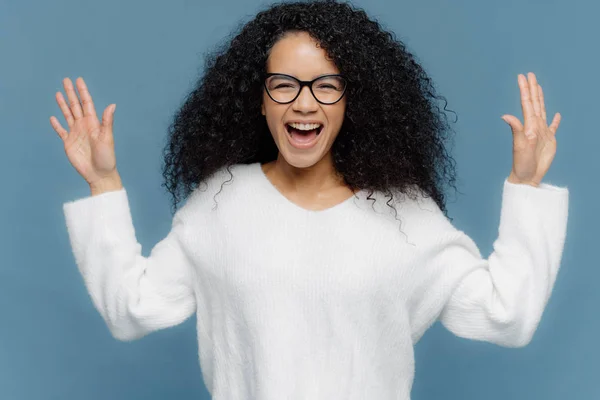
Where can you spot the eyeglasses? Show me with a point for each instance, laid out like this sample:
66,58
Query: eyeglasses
326,89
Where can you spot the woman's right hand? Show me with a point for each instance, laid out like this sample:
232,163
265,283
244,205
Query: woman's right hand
89,144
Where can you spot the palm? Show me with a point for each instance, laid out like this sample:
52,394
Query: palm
534,143
89,144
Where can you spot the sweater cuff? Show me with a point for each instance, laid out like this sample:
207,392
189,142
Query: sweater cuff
543,191
521,203
104,214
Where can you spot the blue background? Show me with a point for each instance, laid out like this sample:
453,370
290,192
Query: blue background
145,55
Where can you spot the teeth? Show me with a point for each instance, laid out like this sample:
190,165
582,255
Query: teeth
304,127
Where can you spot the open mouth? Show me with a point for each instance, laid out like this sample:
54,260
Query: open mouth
303,133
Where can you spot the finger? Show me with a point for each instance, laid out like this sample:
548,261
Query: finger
526,104
64,107
86,98
535,97
73,99
58,128
514,123
107,119
542,104
555,123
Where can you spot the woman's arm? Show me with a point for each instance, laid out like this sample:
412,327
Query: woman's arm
134,294
502,299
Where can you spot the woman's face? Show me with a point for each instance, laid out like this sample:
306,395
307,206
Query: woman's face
304,130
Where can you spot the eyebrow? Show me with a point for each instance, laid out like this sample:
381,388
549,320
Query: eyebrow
313,78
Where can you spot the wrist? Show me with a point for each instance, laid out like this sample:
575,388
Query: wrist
107,184
512,178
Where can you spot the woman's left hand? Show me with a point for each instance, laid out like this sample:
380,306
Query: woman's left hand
534,143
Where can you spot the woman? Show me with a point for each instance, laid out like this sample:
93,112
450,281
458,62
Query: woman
313,245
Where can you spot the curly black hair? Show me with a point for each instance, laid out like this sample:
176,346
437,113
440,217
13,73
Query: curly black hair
394,135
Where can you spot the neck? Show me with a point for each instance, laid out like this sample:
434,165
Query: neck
310,180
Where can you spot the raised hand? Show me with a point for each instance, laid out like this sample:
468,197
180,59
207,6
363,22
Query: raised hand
89,143
534,143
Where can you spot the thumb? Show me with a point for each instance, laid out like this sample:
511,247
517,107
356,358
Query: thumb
107,119
514,123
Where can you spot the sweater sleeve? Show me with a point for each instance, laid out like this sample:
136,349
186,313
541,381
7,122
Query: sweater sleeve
134,294
501,299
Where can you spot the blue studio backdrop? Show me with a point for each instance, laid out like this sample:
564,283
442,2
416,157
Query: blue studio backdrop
145,56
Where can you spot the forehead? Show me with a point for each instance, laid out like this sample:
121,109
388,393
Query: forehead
299,55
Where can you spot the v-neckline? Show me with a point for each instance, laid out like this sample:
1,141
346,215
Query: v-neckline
284,199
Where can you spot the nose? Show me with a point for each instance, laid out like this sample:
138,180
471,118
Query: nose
305,102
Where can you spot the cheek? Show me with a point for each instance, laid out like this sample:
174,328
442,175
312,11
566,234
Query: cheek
336,115
273,114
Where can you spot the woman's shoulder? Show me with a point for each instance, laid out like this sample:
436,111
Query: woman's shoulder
412,209
424,212
228,183
231,175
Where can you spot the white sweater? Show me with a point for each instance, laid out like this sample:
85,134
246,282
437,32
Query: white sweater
299,304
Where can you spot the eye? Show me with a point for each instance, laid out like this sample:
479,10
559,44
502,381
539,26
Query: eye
327,86
284,86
